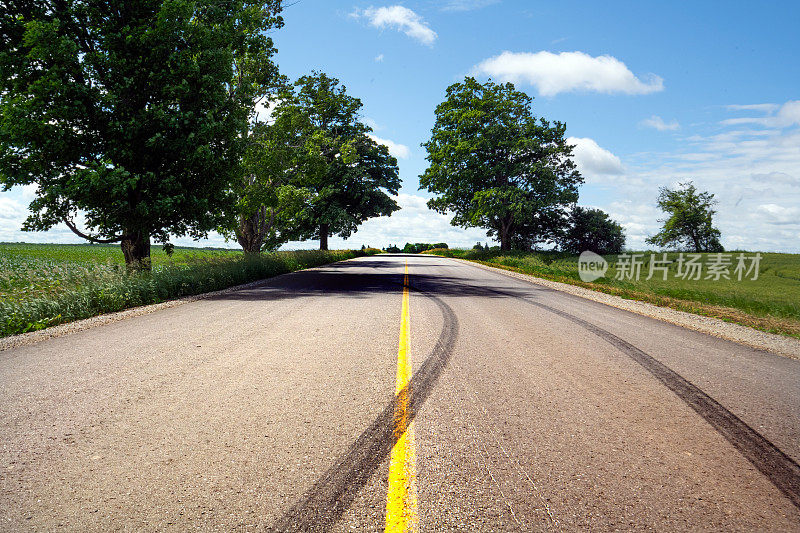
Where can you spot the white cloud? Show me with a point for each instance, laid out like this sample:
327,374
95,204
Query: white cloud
467,5
766,108
567,72
10,209
593,160
263,110
658,123
372,123
787,115
379,58
780,215
636,218
777,178
400,151
400,18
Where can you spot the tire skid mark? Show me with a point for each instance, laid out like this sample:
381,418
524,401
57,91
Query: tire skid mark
770,460
328,499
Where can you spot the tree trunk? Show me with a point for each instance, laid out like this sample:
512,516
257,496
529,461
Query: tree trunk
697,247
324,229
136,249
505,241
248,234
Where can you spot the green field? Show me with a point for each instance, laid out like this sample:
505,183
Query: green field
46,284
771,302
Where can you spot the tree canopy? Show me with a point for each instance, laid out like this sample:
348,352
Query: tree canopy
689,224
592,230
269,191
130,113
353,176
496,166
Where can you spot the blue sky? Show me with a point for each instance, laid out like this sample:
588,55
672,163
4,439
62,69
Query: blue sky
653,93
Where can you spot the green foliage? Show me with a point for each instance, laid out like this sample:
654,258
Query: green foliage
420,247
270,195
775,295
392,249
689,225
347,173
495,166
44,285
128,113
593,230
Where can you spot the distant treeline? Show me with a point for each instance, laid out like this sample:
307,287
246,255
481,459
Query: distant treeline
415,248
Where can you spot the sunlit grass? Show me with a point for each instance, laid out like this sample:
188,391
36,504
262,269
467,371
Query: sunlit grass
771,302
44,285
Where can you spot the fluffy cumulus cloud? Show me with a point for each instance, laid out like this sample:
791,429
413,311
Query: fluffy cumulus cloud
13,212
466,5
400,151
657,123
594,162
399,18
552,74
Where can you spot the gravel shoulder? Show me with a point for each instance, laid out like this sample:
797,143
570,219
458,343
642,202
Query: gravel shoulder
33,337
777,344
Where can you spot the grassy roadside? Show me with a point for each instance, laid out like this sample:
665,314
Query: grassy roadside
46,285
771,303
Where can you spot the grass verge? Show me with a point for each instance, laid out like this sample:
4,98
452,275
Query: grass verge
770,303
46,285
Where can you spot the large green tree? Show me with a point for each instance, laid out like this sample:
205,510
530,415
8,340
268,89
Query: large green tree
496,166
270,195
132,114
353,177
689,224
592,230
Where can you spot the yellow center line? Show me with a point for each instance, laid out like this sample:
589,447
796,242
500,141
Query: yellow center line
401,501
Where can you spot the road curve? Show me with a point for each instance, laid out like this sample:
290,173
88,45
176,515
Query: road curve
283,407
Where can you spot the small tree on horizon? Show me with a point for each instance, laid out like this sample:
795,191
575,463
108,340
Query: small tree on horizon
689,225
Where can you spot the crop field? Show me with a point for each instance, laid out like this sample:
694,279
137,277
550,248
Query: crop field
771,302
46,284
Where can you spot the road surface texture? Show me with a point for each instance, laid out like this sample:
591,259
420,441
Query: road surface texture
355,398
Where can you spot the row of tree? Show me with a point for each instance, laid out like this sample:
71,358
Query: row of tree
415,248
140,118
496,166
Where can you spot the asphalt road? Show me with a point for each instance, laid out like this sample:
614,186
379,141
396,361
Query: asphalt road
322,401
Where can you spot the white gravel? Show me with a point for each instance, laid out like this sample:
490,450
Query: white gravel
777,344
